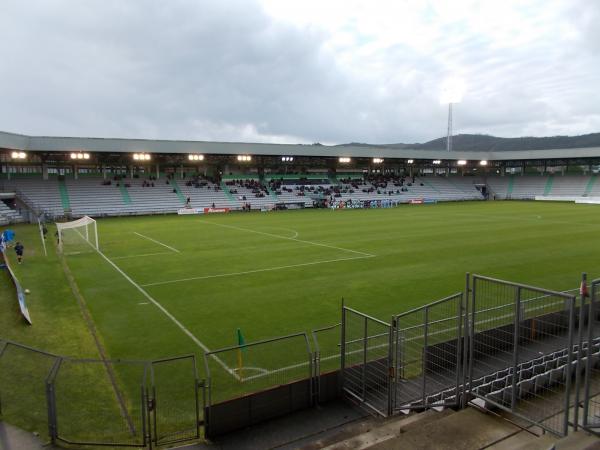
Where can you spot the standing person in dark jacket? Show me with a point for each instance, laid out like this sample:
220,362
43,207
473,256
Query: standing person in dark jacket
19,251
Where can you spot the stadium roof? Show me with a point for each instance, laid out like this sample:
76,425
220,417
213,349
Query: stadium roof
14,141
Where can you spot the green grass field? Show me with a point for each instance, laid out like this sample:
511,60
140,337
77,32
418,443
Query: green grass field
273,274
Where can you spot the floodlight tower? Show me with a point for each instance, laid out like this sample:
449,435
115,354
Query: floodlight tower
449,137
453,90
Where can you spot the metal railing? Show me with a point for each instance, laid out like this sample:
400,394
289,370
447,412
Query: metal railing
428,349
530,351
589,354
521,360
146,403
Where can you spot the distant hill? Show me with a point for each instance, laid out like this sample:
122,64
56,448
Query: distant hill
483,142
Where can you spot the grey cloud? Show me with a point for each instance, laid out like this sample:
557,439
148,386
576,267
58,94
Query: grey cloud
225,70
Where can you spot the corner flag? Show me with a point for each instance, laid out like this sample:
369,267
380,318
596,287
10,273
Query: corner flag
242,347
583,289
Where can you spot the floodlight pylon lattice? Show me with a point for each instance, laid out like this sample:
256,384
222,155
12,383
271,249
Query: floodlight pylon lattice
449,136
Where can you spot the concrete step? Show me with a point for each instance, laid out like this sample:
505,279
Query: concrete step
580,440
382,432
468,429
523,440
13,438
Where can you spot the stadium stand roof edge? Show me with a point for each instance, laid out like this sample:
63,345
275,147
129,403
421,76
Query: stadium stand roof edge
15,141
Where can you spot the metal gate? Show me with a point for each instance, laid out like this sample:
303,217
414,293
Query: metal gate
366,361
175,400
118,415
520,354
428,354
589,358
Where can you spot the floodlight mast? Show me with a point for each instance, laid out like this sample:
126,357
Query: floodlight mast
452,92
449,137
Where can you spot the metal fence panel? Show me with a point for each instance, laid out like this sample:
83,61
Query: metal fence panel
278,371
327,352
366,364
175,400
109,411
23,373
521,351
590,363
327,348
428,355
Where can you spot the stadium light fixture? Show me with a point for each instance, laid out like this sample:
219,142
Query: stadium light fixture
195,157
141,156
462,162
287,158
344,159
377,160
244,158
453,90
18,155
80,155
483,162
410,161
437,161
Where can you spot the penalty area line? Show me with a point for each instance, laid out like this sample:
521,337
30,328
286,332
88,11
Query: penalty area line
182,327
247,272
157,242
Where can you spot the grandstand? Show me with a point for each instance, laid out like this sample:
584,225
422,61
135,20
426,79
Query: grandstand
96,196
99,180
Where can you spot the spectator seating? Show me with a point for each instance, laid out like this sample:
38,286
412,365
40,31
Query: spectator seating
8,215
534,376
44,194
95,196
529,186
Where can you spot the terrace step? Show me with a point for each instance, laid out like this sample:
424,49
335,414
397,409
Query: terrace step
511,185
549,184
125,194
228,193
64,194
366,433
466,429
590,185
180,195
428,184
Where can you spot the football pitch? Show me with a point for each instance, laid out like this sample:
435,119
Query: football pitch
163,286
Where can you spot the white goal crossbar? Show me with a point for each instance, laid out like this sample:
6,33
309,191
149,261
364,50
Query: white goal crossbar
78,231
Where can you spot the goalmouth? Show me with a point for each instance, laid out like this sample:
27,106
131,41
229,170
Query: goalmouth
77,236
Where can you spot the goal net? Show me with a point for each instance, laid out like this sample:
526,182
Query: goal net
78,236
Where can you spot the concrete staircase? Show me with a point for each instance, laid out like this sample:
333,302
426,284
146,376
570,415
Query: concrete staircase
468,429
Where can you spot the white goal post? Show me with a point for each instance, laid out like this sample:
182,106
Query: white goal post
77,236
42,236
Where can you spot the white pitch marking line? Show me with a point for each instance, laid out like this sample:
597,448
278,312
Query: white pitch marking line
256,369
294,232
289,238
268,269
139,256
158,242
197,341
169,315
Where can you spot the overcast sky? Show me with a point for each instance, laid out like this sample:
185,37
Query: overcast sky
329,71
